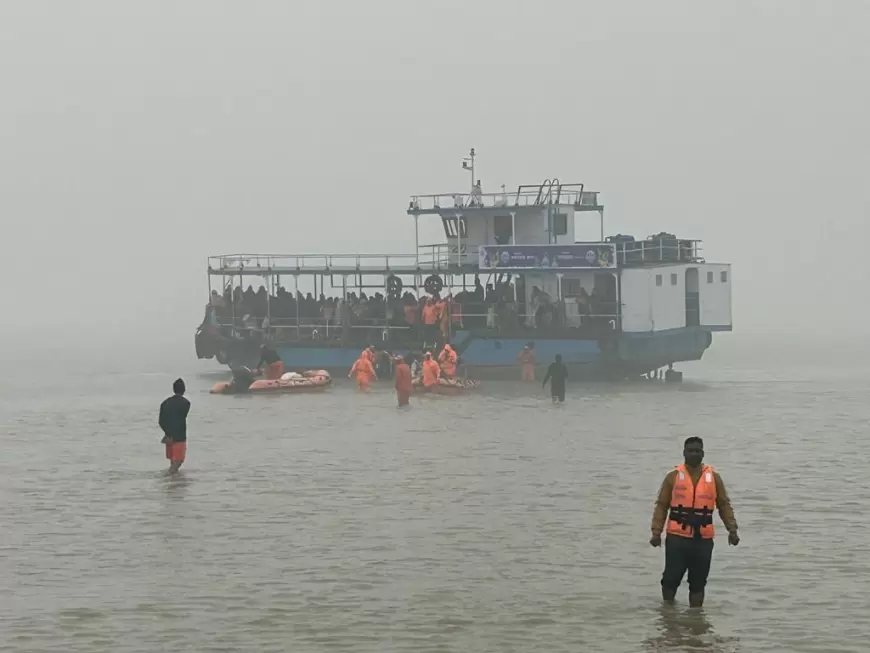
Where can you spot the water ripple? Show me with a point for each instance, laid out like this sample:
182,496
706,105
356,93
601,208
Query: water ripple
495,523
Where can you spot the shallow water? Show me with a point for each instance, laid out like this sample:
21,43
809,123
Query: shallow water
486,523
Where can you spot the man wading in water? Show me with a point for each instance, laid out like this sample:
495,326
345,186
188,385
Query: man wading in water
173,421
557,374
686,501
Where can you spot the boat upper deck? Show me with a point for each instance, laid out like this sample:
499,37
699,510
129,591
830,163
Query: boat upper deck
442,259
429,260
528,197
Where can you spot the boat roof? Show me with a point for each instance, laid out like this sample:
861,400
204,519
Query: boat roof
527,198
337,264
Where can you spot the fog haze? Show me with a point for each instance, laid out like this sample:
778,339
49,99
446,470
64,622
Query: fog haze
138,138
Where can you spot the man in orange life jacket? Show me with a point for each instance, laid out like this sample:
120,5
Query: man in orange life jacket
685,505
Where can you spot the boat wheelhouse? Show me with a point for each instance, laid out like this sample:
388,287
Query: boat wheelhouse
512,270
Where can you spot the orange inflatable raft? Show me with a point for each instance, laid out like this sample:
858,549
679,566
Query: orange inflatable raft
310,381
446,386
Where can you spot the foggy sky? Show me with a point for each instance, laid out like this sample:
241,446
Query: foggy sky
136,138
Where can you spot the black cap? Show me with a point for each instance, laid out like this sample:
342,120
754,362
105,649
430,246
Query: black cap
178,387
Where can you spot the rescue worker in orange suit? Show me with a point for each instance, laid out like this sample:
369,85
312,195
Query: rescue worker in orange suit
527,362
447,361
364,372
431,371
403,381
430,320
684,508
270,363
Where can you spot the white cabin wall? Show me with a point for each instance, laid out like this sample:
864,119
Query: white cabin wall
568,238
531,229
635,296
669,299
476,234
715,295
647,306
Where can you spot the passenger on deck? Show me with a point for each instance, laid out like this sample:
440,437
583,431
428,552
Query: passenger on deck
410,311
364,371
217,301
270,363
527,362
442,316
431,371
403,381
447,361
430,320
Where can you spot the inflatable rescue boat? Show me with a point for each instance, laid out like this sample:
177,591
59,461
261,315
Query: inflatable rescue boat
310,381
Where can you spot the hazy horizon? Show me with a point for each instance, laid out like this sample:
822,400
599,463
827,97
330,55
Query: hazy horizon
140,138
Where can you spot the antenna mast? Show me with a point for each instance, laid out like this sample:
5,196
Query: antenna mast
465,165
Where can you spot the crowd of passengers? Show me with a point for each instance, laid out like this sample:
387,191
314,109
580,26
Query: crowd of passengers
492,307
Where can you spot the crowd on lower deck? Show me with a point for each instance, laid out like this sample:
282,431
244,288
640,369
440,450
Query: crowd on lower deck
500,306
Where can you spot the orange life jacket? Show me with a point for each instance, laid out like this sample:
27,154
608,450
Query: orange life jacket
411,314
692,506
363,368
447,359
430,314
431,372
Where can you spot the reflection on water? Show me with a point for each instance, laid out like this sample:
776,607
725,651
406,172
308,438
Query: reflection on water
688,629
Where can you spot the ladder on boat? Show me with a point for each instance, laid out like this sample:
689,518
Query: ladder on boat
549,192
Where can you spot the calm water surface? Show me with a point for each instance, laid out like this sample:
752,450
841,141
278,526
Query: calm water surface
492,523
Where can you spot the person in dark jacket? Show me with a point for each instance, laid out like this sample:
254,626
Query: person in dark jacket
557,375
173,422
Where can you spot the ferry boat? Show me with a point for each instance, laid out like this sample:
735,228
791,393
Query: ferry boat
509,274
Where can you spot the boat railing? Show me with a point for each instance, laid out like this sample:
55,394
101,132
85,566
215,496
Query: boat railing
496,320
526,195
657,250
431,258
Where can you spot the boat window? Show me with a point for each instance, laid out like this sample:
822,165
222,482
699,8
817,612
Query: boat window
658,279
503,229
453,225
560,224
724,276
673,279
709,277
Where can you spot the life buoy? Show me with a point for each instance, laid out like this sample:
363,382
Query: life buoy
433,284
394,287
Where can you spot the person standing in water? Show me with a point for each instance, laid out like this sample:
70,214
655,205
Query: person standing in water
364,371
173,422
557,375
527,361
686,501
403,381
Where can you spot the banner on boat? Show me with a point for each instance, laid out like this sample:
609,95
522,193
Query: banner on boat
538,257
